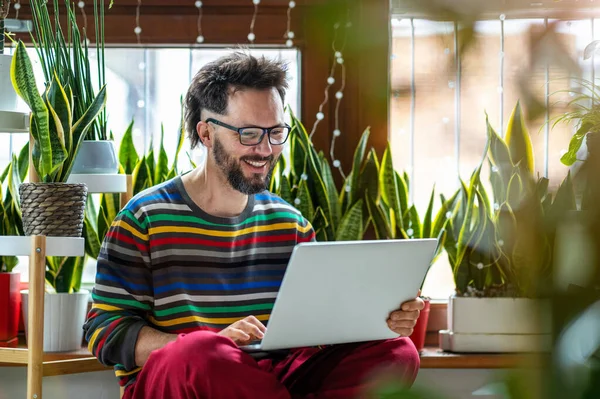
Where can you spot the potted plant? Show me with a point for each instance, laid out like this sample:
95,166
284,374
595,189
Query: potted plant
10,225
96,154
501,254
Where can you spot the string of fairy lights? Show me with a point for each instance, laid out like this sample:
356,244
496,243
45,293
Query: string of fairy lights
338,62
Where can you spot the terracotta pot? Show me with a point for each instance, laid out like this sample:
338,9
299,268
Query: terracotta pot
10,306
420,330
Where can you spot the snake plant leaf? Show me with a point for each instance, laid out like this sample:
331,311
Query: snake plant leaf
285,190
415,223
462,275
80,129
465,233
403,196
151,162
141,176
128,156
541,188
564,201
4,174
427,230
380,223
92,243
14,181
305,206
570,157
57,133
23,81
444,213
298,156
332,194
451,243
388,185
506,229
440,245
180,136
162,166
499,155
319,222
351,227
486,199
392,219
103,224
406,179
369,178
518,140
515,193
23,162
359,155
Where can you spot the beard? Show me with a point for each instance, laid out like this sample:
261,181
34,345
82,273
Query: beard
232,169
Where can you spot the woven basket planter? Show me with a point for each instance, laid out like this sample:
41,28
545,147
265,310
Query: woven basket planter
53,209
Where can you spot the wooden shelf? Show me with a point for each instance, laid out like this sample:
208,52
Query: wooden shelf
55,246
59,363
435,358
101,183
14,122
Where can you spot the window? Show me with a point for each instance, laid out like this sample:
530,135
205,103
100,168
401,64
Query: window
146,84
438,131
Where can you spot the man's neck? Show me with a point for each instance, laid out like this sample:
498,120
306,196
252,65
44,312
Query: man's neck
214,195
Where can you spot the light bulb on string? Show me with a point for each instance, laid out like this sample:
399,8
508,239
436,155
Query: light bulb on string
252,35
289,35
199,37
138,29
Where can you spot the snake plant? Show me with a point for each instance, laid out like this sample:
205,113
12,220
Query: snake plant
502,249
57,133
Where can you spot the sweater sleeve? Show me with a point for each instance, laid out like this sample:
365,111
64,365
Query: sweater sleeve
305,232
123,294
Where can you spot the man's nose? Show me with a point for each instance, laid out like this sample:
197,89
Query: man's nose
264,148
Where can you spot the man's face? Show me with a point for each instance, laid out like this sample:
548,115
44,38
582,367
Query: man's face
248,169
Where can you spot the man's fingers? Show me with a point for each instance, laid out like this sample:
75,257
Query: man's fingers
402,315
257,323
415,304
402,324
237,334
251,329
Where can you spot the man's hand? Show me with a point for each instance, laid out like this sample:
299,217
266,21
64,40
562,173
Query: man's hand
403,320
242,332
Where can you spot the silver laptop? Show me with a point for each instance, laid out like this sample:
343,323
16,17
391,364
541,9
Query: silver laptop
340,292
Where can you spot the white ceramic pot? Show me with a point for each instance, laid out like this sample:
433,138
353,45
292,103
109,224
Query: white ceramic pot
64,316
497,325
96,157
9,100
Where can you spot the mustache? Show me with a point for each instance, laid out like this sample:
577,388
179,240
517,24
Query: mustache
257,159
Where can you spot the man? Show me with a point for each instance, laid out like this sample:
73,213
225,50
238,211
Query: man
190,269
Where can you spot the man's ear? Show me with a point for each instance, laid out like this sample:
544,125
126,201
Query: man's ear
204,134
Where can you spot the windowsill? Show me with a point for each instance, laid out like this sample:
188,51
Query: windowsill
82,361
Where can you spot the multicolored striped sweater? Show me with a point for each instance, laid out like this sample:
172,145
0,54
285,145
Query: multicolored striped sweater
167,264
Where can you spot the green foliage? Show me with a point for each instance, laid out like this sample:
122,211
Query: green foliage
11,223
497,250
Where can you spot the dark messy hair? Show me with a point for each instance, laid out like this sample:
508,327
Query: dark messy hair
213,83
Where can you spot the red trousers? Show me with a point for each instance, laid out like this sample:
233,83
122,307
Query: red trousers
205,365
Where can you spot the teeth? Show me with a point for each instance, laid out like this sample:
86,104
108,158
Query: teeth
256,164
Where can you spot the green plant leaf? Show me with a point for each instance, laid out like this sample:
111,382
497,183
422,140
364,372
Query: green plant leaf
305,206
427,230
518,140
515,192
564,201
388,184
359,155
23,162
23,81
350,227
415,223
445,210
570,157
380,223
141,176
128,156
332,194
285,191
162,167
92,243
319,223
81,127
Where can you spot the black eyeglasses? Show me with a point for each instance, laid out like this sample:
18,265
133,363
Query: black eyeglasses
254,135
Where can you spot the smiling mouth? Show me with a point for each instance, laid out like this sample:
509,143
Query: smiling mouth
255,163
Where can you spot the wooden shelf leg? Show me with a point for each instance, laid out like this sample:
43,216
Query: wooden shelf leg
35,339
125,197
